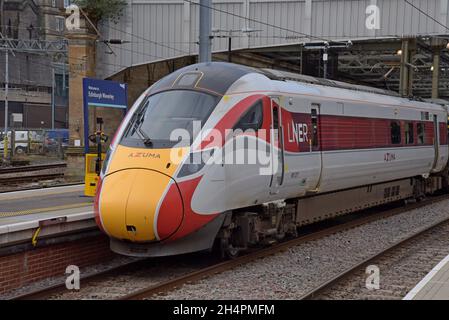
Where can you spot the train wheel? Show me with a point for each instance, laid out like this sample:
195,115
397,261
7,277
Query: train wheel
232,252
228,250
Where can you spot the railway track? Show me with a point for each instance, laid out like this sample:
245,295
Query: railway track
60,287
32,168
15,175
173,283
59,185
399,269
165,287
33,178
350,272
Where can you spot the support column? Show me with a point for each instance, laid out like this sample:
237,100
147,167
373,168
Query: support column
403,76
245,41
307,22
436,73
408,49
186,26
411,69
81,58
443,16
437,45
205,31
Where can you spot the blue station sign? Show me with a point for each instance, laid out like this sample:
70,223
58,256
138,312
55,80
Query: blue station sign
102,93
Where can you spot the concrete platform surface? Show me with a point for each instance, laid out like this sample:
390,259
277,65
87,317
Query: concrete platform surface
44,212
434,286
42,200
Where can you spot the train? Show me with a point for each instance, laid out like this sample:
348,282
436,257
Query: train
219,155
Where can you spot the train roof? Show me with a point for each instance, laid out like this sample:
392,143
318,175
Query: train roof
338,89
218,77
215,77
284,75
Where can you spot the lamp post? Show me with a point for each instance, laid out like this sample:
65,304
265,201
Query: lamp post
5,138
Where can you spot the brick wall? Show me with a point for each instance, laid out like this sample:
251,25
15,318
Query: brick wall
19,269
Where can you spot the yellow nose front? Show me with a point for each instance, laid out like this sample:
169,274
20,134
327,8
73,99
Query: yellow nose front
129,202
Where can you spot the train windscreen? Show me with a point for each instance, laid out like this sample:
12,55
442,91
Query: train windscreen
157,120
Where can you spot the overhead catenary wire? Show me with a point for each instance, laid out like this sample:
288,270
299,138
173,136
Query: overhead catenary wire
426,14
310,36
145,39
164,44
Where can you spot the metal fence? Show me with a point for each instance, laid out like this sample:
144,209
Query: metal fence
47,142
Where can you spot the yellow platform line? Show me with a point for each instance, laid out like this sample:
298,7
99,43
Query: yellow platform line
40,210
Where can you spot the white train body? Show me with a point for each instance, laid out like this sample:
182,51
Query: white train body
335,150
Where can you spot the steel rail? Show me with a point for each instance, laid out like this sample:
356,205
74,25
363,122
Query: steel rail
43,187
31,178
189,278
32,168
351,270
58,288
166,286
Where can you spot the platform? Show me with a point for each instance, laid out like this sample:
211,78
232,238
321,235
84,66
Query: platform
434,286
54,211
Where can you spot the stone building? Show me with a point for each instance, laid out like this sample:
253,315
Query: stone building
31,72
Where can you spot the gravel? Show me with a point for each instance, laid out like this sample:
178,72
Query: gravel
290,274
286,275
400,269
147,273
86,271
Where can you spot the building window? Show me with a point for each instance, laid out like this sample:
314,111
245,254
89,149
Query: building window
60,24
420,132
395,132
61,81
409,137
53,3
67,3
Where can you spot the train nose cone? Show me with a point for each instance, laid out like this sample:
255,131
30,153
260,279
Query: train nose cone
130,201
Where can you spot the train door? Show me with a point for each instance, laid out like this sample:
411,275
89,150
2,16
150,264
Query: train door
276,146
435,140
315,143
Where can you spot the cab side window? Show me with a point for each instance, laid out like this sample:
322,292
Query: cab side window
252,119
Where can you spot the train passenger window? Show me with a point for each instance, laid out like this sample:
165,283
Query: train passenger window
395,132
252,119
420,133
409,137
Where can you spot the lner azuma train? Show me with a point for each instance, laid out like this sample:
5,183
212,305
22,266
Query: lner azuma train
334,148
